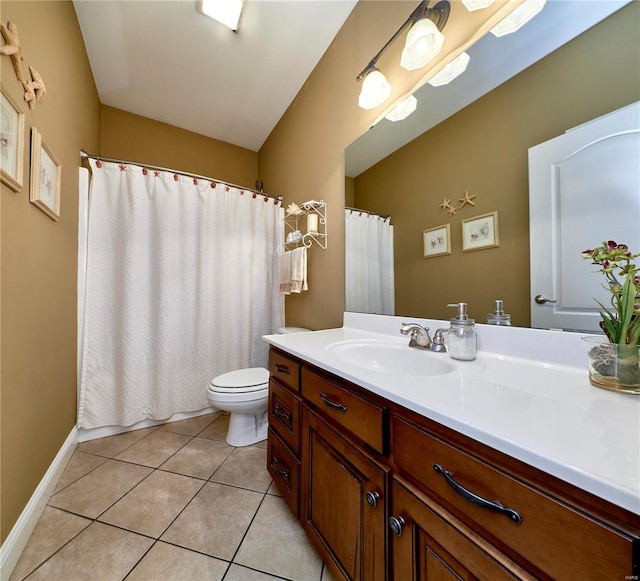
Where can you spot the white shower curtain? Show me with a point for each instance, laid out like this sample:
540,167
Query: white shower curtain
180,288
369,263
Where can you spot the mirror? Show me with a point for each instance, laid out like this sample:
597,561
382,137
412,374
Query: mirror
575,61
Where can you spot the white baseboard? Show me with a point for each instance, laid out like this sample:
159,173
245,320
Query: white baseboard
15,543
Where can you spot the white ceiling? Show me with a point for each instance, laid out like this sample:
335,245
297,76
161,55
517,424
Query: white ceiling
164,60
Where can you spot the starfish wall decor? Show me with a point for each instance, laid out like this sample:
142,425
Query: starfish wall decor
452,210
34,89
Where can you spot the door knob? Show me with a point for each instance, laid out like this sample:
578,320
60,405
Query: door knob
397,524
541,300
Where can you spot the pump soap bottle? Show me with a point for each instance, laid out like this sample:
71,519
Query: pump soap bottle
498,317
462,335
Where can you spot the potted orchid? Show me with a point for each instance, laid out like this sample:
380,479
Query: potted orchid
616,364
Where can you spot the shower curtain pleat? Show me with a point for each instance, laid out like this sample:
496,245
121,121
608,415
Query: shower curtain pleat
369,264
180,288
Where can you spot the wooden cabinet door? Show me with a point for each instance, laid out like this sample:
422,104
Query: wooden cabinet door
343,502
428,543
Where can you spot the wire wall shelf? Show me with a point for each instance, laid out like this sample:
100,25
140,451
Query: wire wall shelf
312,216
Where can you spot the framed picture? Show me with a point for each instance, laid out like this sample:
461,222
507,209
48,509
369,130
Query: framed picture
437,241
480,232
46,174
11,142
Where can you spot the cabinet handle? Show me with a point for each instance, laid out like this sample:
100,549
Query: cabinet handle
332,404
282,369
372,499
283,473
396,523
513,515
277,411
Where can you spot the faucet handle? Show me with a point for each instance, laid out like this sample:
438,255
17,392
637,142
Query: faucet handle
437,344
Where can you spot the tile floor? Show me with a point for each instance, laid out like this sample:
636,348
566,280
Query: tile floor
168,503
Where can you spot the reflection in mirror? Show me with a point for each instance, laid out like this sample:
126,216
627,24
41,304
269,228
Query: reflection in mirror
463,140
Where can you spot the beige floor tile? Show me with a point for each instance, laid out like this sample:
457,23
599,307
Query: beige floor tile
154,449
200,458
99,552
55,528
215,521
79,465
239,573
170,563
262,444
153,505
273,489
276,544
217,430
112,445
245,467
94,493
190,427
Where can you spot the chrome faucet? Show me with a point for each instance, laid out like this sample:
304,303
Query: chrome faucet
419,335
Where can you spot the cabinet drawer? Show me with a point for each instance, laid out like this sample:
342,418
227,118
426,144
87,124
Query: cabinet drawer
557,539
285,470
286,370
365,419
284,415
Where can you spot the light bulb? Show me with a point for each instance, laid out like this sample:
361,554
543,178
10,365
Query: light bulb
518,18
455,68
375,90
472,5
403,109
424,41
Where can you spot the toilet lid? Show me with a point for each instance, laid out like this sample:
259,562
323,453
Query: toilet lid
245,379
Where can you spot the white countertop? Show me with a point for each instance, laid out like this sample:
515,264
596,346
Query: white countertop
545,414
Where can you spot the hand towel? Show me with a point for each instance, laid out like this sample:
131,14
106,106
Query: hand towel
299,270
285,273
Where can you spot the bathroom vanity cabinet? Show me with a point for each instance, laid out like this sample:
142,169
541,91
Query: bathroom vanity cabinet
386,493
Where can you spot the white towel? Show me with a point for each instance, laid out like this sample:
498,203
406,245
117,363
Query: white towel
299,270
285,273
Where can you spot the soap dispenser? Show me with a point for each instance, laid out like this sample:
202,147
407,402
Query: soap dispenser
498,317
462,335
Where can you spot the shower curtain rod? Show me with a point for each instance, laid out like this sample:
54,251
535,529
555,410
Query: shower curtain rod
85,155
366,212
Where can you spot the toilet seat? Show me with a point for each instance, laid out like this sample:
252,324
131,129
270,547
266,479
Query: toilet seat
234,396
241,385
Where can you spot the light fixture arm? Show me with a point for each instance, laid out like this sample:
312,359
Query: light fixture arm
439,14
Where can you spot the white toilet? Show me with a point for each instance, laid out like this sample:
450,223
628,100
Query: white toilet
245,393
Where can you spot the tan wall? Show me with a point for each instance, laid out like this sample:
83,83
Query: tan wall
483,149
39,256
135,138
303,157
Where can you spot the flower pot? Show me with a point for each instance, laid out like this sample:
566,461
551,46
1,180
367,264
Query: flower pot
612,366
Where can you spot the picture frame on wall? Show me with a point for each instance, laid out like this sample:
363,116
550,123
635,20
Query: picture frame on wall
11,142
480,232
437,241
46,177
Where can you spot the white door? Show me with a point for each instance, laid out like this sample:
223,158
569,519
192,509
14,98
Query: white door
584,188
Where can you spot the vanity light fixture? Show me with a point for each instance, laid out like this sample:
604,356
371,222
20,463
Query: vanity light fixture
455,68
403,109
424,42
472,5
375,90
519,17
226,12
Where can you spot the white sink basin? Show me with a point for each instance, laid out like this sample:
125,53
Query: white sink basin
390,357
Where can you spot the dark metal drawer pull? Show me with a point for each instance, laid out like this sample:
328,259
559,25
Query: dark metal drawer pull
283,473
282,369
332,404
397,524
279,413
513,515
